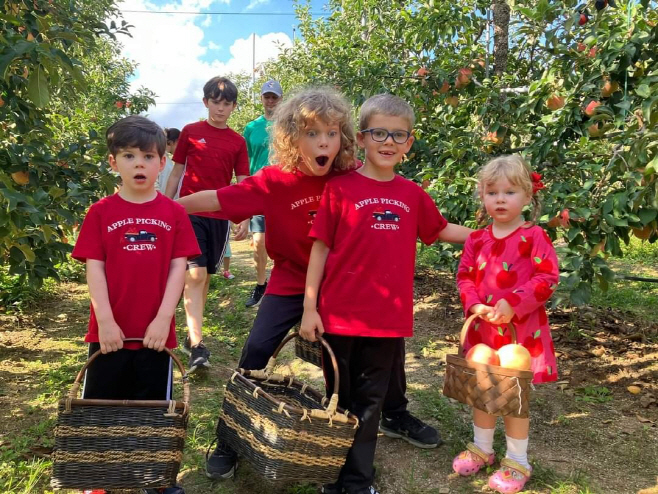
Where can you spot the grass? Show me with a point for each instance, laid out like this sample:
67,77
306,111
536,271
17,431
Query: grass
23,469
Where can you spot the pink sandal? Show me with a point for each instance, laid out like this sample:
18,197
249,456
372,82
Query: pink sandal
510,478
470,462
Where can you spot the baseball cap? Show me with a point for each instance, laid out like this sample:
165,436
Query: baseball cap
272,86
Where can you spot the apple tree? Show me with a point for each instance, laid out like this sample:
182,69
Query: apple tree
573,87
62,83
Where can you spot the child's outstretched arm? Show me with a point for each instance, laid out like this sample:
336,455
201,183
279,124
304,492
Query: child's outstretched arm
200,202
174,180
311,320
158,330
455,234
110,335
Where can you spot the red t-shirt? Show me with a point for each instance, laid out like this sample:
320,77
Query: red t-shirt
137,243
289,201
371,229
211,156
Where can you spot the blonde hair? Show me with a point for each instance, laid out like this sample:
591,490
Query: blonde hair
386,104
293,115
517,172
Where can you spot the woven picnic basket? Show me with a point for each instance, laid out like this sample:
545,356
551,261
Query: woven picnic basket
490,388
285,428
309,351
119,444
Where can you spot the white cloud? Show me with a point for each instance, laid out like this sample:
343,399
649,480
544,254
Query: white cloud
207,21
255,3
169,50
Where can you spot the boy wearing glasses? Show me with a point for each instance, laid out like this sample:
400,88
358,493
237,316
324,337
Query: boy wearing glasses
366,305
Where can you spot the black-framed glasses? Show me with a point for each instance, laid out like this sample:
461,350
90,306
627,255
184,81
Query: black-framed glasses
380,135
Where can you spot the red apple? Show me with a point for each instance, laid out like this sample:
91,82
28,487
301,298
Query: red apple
422,72
502,338
506,278
555,102
525,246
445,87
581,47
543,265
543,291
119,104
474,336
582,20
590,109
534,344
498,247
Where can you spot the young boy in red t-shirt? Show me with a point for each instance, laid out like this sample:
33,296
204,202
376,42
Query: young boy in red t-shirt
364,254
135,244
209,152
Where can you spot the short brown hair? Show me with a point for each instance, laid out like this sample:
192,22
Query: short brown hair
293,115
220,88
386,104
136,131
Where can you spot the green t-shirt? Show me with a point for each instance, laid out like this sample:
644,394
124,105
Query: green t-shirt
258,143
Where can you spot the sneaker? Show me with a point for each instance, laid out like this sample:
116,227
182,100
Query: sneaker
187,347
411,429
365,490
256,295
167,490
221,464
331,489
228,275
199,356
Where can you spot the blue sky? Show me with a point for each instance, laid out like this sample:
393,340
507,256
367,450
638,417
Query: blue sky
177,52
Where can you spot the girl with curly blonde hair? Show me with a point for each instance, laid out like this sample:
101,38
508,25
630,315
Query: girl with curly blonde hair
312,140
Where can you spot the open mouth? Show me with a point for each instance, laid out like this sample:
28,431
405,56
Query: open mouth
322,160
139,176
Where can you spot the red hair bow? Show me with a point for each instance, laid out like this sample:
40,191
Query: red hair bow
537,184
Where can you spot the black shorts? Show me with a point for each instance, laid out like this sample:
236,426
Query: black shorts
212,235
142,374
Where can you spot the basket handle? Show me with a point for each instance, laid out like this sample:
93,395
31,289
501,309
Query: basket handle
467,325
75,387
333,401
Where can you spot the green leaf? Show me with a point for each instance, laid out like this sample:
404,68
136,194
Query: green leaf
27,252
643,91
537,333
37,87
505,266
647,215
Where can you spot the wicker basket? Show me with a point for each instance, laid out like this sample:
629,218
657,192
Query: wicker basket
119,444
490,388
308,351
286,429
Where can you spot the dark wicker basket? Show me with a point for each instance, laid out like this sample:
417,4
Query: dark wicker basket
490,388
309,351
284,428
119,444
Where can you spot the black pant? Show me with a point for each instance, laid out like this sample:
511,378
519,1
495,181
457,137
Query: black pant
277,314
141,374
364,371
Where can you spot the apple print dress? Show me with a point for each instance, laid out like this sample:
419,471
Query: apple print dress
522,268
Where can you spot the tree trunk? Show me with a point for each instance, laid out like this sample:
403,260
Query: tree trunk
501,35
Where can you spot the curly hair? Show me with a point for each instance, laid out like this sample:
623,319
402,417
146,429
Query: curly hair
294,114
517,172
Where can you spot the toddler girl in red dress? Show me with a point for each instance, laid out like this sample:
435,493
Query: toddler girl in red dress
507,272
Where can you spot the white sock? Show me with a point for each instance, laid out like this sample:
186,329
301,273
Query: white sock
517,450
483,438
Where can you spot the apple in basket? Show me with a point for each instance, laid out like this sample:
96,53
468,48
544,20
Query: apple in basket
514,356
483,354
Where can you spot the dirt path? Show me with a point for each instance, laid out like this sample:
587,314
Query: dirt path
589,434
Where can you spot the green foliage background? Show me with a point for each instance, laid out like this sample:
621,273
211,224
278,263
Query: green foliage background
601,187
